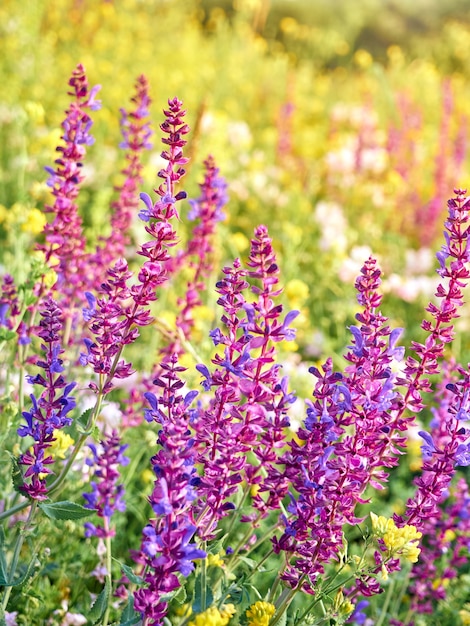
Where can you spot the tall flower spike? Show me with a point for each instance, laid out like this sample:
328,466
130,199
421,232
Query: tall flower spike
343,447
65,242
114,317
248,412
106,496
166,545
207,209
136,132
49,412
440,462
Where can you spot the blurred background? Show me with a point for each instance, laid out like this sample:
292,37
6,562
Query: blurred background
343,126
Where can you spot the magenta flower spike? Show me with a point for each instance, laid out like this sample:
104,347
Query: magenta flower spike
114,317
248,410
106,496
49,411
207,210
65,242
136,132
167,548
343,448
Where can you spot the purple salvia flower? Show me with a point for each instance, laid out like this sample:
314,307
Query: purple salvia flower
115,316
106,496
167,549
136,131
248,412
49,411
441,456
9,305
447,533
207,209
64,235
344,447
447,446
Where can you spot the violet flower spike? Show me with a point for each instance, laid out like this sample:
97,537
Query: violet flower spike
64,235
207,209
49,411
343,445
249,409
136,132
167,548
121,310
106,496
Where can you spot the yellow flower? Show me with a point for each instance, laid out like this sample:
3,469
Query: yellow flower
214,617
239,241
34,223
363,59
214,560
465,617
61,444
260,613
296,291
399,541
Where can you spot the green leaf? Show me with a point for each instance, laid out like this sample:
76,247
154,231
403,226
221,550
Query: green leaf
133,578
180,596
100,605
283,619
129,616
16,474
64,510
82,421
197,604
6,335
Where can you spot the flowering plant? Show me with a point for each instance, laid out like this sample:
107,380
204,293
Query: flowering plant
223,511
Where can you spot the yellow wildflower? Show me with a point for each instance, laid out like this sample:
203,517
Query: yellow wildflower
363,59
465,617
296,291
260,613
399,541
214,616
34,223
214,560
61,444
239,241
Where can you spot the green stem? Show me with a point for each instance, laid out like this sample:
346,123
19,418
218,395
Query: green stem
203,580
16,553
109,565
285,599
388,598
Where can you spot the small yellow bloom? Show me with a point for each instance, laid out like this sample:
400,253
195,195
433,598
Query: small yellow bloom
399,541
61,444
214,560
34,223
50,278
240,241
260,613
297,291
214,617
147,476
363,59
465,617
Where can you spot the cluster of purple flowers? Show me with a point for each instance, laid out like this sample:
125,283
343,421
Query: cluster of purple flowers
106,496
50,411
136,132
167,547
233,451
65,242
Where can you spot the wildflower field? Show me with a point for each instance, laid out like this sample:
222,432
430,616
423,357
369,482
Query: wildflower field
234,338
